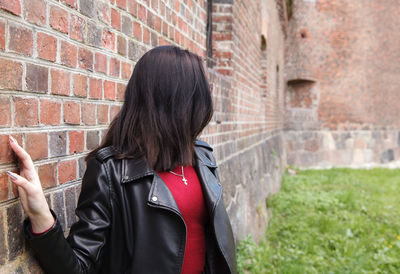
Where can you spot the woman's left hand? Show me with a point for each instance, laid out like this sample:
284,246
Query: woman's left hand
30,190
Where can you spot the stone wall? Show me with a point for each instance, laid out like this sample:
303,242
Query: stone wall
343,99
64,65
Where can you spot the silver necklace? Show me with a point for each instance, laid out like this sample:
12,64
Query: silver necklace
184,180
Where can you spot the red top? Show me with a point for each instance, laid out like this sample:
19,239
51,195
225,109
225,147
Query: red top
189,199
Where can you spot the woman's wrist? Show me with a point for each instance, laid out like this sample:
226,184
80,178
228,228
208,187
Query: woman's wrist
41,223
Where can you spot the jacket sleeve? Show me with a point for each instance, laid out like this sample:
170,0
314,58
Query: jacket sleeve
81,252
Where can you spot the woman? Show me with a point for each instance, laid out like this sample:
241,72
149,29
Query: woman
151,198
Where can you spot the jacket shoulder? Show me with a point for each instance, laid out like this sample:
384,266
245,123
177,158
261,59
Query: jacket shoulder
105,153
200,143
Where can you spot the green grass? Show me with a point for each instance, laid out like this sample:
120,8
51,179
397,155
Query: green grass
330,221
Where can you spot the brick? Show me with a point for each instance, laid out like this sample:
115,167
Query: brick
80,85
109,90
2,35
100,63
102,114
87,7
60,82
58,207
26,111
20,40
150,19
92,139
6,154
115,19
71,3
81,167
48,175
70,205
126,70
114,67
68,54
5,112
154,39
137,31
146,36
120,92
121,4
58,143
142,13
94,35
11,74
72,113
35,11
158,24
3,197
50,112
36,145
121,45
132,7
13,6
96,87
76,142
78,28
66,171
108,40
47,46
114,110
88,114
126,25
59,19
133,51
103,12
15,237
37,78
3,250
85,59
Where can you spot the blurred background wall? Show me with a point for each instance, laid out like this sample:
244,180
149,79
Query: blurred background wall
343,83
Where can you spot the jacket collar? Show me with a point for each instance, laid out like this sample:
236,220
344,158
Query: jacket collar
134,169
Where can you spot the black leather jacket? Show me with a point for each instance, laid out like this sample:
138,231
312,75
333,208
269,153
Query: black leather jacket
129,222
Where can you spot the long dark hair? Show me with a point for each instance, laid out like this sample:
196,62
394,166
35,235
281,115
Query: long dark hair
167,105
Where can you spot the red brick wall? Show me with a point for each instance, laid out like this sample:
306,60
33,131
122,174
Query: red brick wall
64,65
250,115
345,54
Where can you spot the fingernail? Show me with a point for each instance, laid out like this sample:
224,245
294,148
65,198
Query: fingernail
11,175
12,139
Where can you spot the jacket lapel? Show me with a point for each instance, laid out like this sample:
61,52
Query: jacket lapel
212,189
160,195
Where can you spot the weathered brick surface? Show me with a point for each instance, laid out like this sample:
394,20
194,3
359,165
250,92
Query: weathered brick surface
36,145
50,112
14,233
26,111
35,11
76,141
46,46
11,74
48,175
60,82
13,6
20,40
59,19
37,78
66,171
5,112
